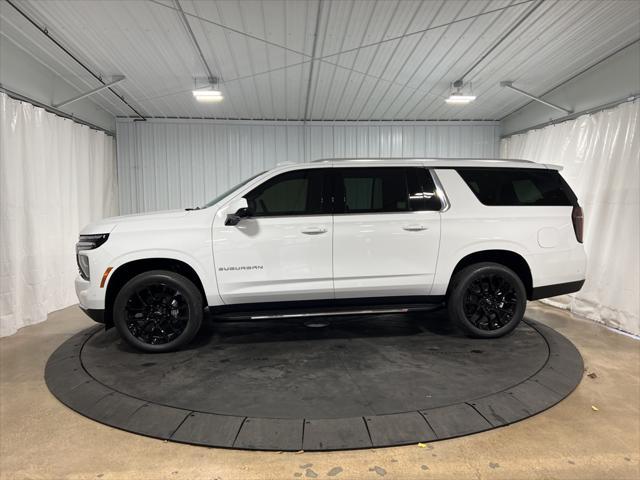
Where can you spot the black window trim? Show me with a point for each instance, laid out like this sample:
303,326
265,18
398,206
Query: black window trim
290,215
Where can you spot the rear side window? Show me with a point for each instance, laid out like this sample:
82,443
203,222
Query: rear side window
385,190
422,190
518,186
300,192
368,190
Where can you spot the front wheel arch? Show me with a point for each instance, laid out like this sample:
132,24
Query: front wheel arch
125,272
158,311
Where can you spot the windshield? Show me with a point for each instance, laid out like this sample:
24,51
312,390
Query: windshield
231,190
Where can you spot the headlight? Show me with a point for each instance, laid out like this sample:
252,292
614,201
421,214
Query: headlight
88,242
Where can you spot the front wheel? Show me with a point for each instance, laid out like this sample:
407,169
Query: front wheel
158,311
487,300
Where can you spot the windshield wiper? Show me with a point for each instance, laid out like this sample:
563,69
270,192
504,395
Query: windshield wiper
192,208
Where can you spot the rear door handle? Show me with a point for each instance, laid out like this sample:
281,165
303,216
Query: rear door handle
414,228
313,230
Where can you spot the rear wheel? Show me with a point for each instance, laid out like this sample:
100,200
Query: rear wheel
487,300
158,311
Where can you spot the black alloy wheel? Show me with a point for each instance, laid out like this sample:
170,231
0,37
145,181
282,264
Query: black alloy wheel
158,311
490,301
486,300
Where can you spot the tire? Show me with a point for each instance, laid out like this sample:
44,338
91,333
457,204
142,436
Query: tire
486,300
158,311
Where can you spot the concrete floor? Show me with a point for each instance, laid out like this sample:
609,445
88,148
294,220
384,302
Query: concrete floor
41,438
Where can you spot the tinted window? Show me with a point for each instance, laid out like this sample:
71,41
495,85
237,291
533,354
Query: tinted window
513,186
380,190
293,193
422,191
368,190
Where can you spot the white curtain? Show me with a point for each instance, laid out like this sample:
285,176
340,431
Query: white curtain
55,176
600,154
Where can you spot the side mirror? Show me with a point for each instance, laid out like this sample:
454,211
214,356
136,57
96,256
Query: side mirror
240,210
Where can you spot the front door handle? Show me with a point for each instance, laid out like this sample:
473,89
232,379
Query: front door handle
313,230
414,228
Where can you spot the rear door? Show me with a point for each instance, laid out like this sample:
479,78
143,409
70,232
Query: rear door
283,252
386,231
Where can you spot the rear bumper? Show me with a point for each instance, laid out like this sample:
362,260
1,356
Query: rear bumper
97,315
556,289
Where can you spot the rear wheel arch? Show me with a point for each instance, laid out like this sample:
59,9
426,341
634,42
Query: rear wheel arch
125,272
510,259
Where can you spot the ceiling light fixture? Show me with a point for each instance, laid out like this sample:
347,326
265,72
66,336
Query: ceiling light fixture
457,96
209,94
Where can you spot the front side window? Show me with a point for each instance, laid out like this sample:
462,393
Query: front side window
385,190
518,186
300,192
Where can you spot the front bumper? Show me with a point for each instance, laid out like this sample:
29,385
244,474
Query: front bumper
90,295
91,299
94,314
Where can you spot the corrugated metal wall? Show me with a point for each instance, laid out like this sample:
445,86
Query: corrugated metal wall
176,164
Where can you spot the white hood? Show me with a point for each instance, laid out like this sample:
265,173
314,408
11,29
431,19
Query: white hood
107,225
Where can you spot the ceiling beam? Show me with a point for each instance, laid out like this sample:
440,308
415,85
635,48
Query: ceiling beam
424,30
114,80
576,75
46,33
192,36
231,29
313,54
510,86
323,59
502,38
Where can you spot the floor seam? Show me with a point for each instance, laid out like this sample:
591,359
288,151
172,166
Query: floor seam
428,424
366,425
181,423
480,413
233,444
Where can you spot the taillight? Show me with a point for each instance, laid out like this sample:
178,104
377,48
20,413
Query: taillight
577,217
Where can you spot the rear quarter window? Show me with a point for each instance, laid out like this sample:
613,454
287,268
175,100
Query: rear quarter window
516,186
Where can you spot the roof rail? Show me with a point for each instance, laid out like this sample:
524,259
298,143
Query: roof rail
424,159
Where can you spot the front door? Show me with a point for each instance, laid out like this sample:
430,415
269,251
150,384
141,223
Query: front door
386,232
283,251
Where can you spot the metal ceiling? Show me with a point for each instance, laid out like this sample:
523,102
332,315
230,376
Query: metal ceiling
321,59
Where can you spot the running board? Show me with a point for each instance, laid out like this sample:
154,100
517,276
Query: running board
322,312
329,313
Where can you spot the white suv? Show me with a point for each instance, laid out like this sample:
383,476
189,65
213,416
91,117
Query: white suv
341,236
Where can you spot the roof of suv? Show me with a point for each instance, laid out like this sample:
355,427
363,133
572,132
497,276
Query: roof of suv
441,162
